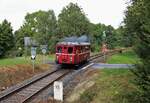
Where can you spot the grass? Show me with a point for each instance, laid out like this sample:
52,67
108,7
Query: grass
51,57
128,57
112,86
13,61
24,60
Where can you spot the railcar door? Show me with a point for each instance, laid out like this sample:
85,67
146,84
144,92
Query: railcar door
77,55
70,55
80,54
64,54
58,54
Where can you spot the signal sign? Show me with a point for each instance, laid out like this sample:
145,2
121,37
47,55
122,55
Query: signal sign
27,41
44,49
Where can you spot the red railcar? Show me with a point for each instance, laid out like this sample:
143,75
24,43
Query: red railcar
72,52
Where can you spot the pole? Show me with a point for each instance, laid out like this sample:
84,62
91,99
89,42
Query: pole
43,58
26,48
33,64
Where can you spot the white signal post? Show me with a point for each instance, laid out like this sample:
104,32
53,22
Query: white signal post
33,56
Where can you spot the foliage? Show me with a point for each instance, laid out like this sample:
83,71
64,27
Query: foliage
110,37
6,37
97,36
138,24
72,21
124,37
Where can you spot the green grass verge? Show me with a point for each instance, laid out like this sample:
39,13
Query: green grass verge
112,86
25,60
13,61
128,57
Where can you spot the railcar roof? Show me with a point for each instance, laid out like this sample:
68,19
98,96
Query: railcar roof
73,43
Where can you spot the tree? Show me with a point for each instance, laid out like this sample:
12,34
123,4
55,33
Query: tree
111,39
6,37
40,25
97,30
44,25
72,21
138,24
120,36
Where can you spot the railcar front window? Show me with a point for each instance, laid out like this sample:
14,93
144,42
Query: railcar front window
59,49
70,50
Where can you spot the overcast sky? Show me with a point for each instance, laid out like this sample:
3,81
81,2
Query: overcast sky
109,12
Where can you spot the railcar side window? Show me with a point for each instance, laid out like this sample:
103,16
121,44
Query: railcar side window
59,49
70,50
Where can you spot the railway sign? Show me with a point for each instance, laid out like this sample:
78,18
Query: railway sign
27,41
58,90
44,51
44,48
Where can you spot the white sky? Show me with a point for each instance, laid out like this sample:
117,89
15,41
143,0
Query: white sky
109,12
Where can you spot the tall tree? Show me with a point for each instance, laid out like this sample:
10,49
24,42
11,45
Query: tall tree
72,21
6,37
138,24
96,31
43,24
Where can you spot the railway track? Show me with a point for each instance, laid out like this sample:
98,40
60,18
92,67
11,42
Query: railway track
25,92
